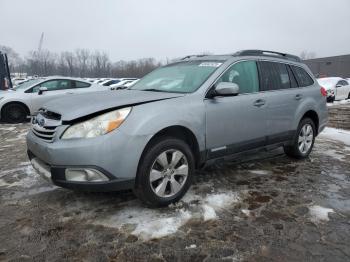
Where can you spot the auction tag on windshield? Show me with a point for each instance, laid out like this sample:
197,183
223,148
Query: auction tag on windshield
210,64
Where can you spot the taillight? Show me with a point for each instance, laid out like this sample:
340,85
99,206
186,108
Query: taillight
323,91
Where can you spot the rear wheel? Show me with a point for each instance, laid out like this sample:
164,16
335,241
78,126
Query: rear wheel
165,172
14,113
303,141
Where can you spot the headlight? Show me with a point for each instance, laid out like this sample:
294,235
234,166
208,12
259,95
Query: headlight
97,126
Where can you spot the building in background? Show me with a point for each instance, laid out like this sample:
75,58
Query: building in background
330,66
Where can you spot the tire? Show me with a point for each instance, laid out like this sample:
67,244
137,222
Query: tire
349,96
296,150
14,113
164,176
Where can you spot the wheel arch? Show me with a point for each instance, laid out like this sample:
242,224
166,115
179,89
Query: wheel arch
314,117
180,132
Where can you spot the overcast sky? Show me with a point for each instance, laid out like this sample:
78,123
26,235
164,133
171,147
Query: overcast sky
131,29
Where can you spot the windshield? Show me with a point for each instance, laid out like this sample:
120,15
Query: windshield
182,77
27,84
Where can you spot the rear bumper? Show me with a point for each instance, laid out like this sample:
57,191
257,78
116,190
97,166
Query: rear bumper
56,175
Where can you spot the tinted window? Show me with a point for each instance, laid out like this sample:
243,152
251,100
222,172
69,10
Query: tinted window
273,76
79,84
302,76
293,81
245,75
342,83
111,82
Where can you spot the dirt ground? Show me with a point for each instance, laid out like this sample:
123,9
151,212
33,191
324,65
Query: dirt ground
265,207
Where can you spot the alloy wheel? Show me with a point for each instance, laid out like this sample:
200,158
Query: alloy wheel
305,139
169,173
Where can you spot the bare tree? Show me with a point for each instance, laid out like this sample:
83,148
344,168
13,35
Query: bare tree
82,56
80,63
70,61
304,55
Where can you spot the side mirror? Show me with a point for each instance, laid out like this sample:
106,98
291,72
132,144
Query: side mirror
226,89
42,89
338,86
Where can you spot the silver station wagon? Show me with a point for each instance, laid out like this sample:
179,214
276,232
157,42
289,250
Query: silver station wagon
152,136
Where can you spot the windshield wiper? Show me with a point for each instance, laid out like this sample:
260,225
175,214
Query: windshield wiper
152,89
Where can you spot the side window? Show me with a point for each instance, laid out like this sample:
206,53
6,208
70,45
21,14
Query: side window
273,76
293,81
52,85
245,75
342,83
302,76
79,84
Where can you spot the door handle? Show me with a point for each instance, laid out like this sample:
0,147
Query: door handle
298,96
259,102
69,93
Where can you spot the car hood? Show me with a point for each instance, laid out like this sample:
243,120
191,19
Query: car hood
78,106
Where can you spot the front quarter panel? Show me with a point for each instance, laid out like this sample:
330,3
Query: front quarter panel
148,119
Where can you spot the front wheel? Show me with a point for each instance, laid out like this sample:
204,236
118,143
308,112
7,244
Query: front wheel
303,141
165,172
14,113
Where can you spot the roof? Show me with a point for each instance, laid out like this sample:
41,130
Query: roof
247,53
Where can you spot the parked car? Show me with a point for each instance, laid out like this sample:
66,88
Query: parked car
123,83
26,99
337,88
152,136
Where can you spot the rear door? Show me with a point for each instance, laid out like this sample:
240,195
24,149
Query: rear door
282,96
236,123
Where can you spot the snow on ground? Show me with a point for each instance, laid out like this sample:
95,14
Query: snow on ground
334,154
259,172
155,223
7,128
25,177
341,102
336,134
319,214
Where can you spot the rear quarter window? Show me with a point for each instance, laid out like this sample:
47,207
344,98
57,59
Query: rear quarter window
79,84
302,77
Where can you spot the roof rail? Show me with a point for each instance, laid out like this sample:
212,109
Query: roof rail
267,53
189,56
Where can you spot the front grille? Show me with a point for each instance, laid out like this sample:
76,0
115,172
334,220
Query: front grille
45,133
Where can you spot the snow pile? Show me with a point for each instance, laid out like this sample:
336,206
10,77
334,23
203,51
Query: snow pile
156,223
336,134
319,214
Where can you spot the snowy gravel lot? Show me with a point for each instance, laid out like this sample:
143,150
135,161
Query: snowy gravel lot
265,207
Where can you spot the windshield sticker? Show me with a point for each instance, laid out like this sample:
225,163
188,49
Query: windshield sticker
210,64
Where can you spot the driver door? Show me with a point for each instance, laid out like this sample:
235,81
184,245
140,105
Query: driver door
236,123
55,89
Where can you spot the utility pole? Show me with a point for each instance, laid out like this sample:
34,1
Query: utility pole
41,42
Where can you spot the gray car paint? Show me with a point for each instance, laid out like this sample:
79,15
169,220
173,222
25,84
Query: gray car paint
215,122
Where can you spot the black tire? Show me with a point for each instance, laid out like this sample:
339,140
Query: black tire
293,149
349,96
143,188
14,113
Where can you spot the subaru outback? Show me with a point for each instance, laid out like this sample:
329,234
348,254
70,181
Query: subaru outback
152,136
